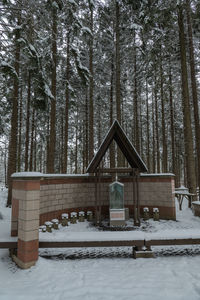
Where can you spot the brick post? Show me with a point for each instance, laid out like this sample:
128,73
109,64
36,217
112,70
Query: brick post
15,210
26,192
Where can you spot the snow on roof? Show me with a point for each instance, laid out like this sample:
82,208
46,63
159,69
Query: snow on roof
38,174
196,202
65,175
27,174
157,174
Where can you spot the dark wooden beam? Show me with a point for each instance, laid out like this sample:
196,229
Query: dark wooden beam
169,242
99,196
96,200
125,243
119,243
117,134
8,245
138,196
82,244
116,170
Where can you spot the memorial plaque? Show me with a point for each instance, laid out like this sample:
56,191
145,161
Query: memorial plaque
117,211
116,195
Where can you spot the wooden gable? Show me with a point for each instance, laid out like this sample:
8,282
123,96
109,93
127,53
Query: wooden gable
117,133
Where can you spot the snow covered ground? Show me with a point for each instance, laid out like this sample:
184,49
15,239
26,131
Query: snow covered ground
108,273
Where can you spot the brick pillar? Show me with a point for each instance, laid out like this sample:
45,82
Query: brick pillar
15,209
26,190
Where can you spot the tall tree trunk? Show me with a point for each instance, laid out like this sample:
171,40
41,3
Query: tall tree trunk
164,142
76,148
118,74
112,146
86,131
117,57
12,151
62,144
91,89
179,165
188,136
20,133
52,141
99,126
157,130
83,147
147,127
172,125
135,103
194,88
47,144
27,120
153,137
141,130
32,141
35,145
66,109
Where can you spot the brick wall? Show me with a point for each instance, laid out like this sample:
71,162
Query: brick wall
59,194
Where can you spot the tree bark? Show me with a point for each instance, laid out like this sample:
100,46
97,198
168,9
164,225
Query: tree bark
164,142
86,131
117,57
135,104
52,140
172,130
118,75
188,136
194,88
32,141
12,152
147,127
19,133
153,137
157,130
27,121
62,154
76,149
91,89
112,146
35,145
66,109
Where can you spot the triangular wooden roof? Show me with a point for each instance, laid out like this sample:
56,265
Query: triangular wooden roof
117,133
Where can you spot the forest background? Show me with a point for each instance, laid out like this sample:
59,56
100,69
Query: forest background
68,68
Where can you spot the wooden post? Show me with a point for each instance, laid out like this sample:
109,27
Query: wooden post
96,198
134,200
138,198
99,197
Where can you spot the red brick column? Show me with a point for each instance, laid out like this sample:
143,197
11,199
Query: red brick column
26,192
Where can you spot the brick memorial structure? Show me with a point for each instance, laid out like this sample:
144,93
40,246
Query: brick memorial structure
37,198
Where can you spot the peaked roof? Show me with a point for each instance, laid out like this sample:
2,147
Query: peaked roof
117,133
